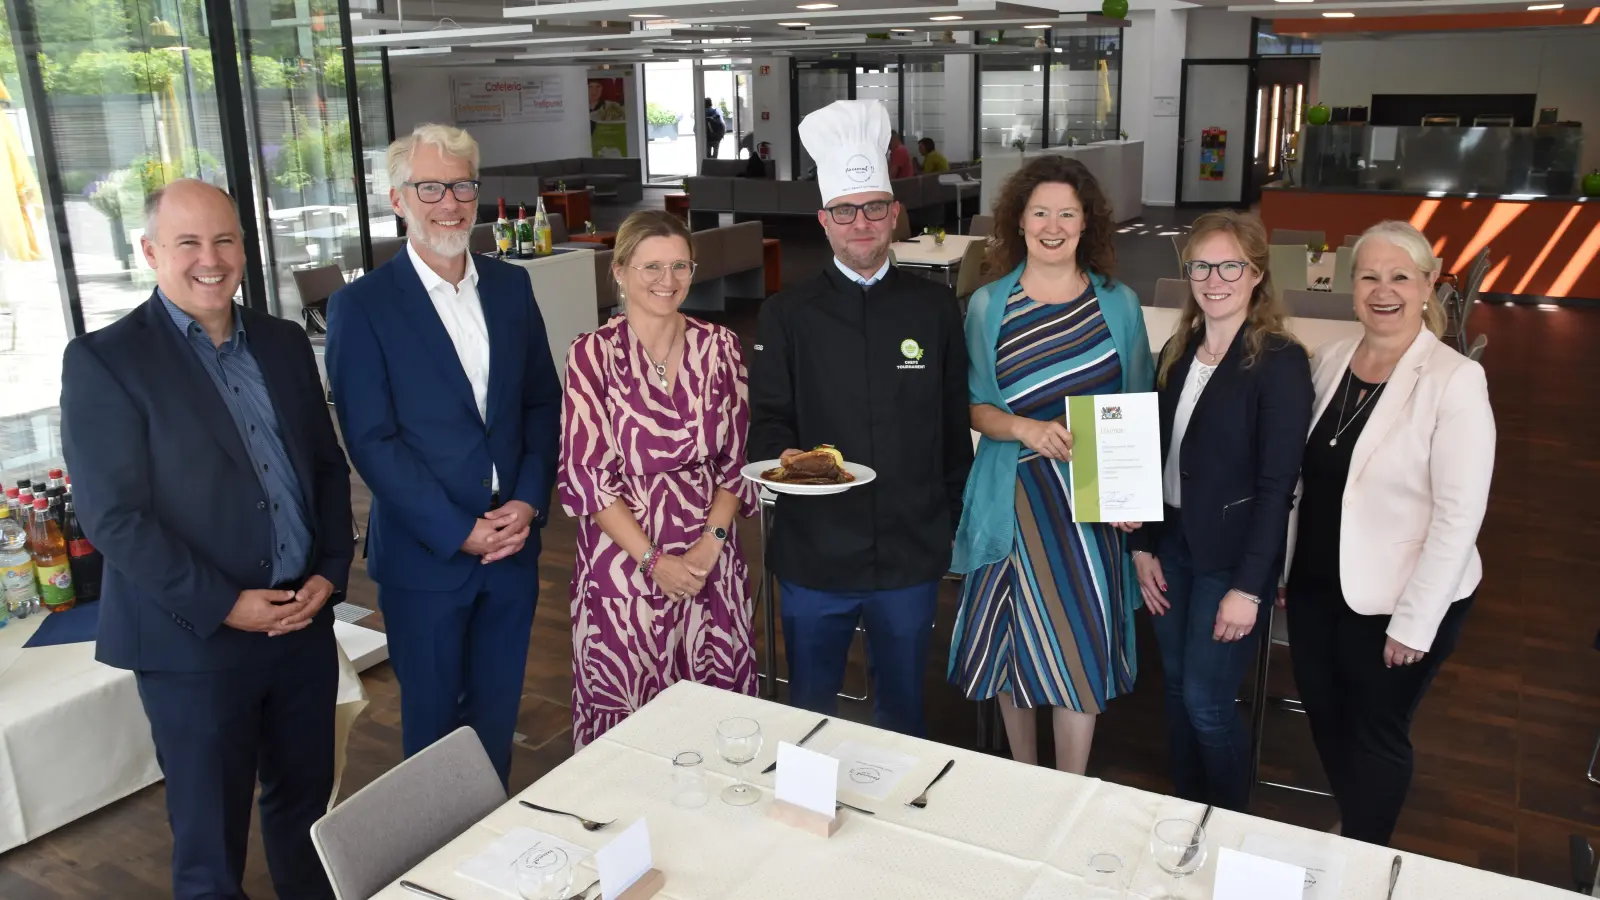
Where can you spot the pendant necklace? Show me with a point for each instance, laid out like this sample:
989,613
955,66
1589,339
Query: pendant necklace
1341,425
659,367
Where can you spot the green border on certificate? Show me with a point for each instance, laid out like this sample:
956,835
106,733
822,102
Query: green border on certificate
1085,468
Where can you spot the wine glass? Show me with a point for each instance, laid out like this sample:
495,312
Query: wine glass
1178,846
738,742
544,874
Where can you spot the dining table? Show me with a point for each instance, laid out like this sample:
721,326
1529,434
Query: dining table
992,829
940,258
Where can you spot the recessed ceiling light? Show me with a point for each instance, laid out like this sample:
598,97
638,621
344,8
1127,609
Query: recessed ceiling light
1293,1
793,24
1540,7
1339,15
644,15
904,30
817,6
943,18
1036,26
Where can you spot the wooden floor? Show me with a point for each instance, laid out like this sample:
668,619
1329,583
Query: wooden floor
1503,738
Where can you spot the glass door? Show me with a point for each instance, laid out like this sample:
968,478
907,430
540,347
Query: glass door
728,88
1214,132
672,113
816,85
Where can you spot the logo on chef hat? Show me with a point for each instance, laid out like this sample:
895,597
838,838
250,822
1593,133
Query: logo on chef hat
858,168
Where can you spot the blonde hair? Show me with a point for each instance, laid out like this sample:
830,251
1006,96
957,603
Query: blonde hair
450,140
640,227
1266,314
1406,237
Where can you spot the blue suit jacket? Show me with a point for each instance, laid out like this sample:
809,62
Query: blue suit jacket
412,427
163,487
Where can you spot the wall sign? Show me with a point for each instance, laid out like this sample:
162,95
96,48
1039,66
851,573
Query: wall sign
491,100
1213,153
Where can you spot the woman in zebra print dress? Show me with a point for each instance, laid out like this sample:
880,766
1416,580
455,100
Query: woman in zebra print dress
1046,615
653,437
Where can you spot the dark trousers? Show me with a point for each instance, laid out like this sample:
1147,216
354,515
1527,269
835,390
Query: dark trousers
713,144
1207,743
215,734
460,657
1361,711
818,628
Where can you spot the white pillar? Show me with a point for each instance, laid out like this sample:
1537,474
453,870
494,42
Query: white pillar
959,104
770,100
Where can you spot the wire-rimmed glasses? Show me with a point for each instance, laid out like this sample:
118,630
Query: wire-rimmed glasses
1228,270
433,191
652,273
874,210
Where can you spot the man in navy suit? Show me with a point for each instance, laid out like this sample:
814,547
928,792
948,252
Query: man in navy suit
450,407
206,469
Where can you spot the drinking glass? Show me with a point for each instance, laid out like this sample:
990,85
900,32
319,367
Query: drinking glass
1105,875
738,742
1178,846
688,781
544,874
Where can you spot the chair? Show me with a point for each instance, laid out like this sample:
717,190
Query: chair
1350,240
410,811
315,286
1321,305
1475,353
1344,263
902,227
1302,238
1277,632
1172,293
481,238
981,226
1290,268
1180,242
970,276
385,249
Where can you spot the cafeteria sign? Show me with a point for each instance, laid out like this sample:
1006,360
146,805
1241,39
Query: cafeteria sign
481,100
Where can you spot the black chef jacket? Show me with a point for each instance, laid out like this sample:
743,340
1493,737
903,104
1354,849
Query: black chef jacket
879,372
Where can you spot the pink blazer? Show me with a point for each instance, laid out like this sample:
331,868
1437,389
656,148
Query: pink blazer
1417,488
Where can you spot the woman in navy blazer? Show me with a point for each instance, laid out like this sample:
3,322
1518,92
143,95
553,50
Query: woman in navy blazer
1235,398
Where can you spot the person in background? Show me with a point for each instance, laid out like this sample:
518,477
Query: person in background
1385,565
206,471
899,158
450,407
716,129
932,160
1046,616
653,437
1235,399
869,360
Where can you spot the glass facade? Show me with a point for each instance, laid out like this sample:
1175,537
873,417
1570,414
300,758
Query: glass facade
1049,87
924,115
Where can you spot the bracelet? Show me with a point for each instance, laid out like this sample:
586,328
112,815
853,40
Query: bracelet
1251,597
647,563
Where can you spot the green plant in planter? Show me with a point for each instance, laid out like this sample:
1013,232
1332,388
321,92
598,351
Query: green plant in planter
315,156
1020,144
1591,184
656,114
1319,114
1115,9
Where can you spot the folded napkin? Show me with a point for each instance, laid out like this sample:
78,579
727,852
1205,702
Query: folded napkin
74,626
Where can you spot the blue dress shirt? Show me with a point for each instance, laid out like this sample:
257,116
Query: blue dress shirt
855,276
237,375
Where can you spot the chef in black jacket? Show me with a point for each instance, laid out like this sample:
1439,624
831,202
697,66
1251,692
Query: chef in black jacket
872,361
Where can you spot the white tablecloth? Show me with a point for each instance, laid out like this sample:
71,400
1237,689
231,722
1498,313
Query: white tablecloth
1161,321
922,250
992,828
74,737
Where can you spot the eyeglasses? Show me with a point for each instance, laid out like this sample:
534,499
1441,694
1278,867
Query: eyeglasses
1200,270
682,270
875,210
433,191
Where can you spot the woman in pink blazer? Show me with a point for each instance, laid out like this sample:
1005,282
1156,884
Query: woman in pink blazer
1383,563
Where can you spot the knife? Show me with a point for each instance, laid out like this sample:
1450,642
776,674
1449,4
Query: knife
415,888
1394,875
1194,844
814,729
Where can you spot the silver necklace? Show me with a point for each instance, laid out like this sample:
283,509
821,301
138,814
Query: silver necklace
659,367
1341,425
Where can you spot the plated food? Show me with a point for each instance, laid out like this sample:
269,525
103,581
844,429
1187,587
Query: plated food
822,470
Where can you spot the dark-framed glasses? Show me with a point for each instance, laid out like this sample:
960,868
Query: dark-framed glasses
682,270
433,191
874,210
1230,270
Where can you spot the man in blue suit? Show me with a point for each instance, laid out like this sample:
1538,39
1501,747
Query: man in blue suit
206,469
450,407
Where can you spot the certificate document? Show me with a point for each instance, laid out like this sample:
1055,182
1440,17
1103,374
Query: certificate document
1116,458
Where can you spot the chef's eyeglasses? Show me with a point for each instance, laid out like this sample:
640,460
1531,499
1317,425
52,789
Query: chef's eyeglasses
433,191
845,213
682,270
1200,270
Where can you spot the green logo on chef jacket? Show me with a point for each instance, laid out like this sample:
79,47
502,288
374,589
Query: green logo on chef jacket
910,349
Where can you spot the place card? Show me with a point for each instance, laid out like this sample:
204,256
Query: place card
626,869
518,849
1241,876
807,779
870,771
1324,865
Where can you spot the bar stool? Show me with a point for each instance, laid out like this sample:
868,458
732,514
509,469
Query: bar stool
1277,635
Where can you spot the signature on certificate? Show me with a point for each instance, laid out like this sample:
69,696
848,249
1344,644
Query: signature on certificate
1115,499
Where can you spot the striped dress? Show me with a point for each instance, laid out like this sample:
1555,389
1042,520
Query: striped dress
1048,624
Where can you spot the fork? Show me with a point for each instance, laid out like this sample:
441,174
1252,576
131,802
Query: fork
922,799
585,892
588,824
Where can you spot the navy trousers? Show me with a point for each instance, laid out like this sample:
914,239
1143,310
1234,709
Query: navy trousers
818,627
215,734
460,657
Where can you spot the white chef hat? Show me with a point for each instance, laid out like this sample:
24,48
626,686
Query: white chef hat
849,139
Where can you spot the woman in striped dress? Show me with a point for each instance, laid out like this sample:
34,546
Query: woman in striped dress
1047,606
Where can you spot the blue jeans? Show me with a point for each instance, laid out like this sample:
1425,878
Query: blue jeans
1208,743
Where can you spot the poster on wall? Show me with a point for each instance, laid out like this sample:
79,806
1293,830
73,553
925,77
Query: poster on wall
1213,153
490,100
608,117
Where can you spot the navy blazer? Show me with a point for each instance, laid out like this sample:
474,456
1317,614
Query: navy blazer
412,427
1240,459
164,488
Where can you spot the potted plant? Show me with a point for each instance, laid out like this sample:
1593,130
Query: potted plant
113,197
1019,144
1591,184
661,122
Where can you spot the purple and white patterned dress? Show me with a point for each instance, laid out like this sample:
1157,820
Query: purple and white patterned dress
664,451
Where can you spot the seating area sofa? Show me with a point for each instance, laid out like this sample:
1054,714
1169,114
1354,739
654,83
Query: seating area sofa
729,263
709,195
621,179
733,168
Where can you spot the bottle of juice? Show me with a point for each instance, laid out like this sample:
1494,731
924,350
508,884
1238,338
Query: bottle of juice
51,561
502,231
543,244
17,578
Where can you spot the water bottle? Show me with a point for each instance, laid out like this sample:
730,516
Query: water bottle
17,578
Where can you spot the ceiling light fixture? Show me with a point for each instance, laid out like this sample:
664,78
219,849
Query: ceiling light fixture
943,18
793,24
904,30
1339,15
1292,1
818,6
1541,7
1036,26
645,15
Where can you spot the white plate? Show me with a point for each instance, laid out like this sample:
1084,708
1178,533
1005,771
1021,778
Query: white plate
753,472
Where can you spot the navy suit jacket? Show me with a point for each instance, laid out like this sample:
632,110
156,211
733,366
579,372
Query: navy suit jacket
164,488
412,426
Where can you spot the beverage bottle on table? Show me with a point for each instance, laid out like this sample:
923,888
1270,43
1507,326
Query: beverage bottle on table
13,500
17,578
25,513
524,231
51,560
541,230
87,563
502,230
56,481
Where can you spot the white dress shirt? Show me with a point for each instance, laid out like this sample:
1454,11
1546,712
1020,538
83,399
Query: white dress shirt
855,276
1193,385
461,312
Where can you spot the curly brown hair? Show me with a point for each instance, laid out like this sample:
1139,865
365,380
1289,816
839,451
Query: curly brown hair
1007,247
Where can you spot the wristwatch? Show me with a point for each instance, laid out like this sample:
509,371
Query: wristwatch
720,534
